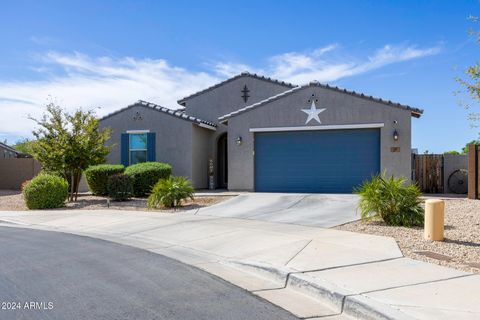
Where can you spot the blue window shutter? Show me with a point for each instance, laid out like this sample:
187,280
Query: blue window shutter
124,149
151,145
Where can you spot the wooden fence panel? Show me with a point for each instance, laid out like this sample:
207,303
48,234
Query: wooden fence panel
473,171
477,175
428,172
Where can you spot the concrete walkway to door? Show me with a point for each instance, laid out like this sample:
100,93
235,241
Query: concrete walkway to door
319,210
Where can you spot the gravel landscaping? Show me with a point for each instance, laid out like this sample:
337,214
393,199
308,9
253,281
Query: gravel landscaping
461,248
13,200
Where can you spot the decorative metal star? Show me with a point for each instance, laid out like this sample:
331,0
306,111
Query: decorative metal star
313,113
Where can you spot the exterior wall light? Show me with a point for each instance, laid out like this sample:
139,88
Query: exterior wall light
238,140
395,135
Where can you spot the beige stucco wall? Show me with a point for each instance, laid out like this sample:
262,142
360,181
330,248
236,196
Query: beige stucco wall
15,171
173,136
228,97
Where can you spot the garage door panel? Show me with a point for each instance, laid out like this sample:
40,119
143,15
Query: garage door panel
315,161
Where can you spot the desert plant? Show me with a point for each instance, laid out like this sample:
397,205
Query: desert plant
97,177
146,175
170,192
120,187
45,191
391,200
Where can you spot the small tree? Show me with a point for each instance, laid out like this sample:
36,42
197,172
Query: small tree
452,152
465,149
24,146
471,80
67,144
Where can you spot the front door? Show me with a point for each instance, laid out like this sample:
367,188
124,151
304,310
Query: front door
222,164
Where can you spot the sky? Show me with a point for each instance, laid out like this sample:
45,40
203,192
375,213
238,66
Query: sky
105,55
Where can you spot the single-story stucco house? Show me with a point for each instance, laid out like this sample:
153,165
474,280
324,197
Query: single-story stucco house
255,133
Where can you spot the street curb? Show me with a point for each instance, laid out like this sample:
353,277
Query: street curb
362,307
340,299
261,270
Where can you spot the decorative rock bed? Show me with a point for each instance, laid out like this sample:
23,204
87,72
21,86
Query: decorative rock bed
461,248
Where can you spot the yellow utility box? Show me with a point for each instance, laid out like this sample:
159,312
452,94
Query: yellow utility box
434,219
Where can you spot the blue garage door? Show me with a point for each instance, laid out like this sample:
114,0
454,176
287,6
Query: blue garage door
327,161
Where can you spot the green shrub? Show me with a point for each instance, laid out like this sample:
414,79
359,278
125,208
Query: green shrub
97,177
391,200
170,192
120,187
45,191
146,175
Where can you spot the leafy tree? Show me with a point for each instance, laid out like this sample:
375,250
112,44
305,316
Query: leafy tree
24,146
451,152
68,143
465,149
471,79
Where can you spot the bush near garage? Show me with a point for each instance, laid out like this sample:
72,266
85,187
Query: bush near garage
45,191
120,187
170,192
97,177
391,200
145,175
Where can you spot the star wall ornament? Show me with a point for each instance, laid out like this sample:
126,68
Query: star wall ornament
313,113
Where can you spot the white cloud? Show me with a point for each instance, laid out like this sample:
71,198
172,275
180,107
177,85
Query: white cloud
86,82
316,65
230,69
328,63
77,80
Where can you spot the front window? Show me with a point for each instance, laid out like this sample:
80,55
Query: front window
138,147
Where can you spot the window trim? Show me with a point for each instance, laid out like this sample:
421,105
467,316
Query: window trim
137,131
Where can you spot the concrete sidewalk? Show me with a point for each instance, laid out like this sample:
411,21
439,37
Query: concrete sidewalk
310,271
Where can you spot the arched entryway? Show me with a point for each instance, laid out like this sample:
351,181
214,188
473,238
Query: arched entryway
222,162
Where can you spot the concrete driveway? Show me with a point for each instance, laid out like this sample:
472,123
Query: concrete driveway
319,210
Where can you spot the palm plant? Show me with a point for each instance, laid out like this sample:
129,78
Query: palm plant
170,192
391,200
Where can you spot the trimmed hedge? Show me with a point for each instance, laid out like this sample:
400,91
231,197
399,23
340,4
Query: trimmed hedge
97,177
145,175
120,187
45,191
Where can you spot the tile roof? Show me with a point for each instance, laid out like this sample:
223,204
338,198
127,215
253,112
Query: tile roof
415,111
243,74
180,113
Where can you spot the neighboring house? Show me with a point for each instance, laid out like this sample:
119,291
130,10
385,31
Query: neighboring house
8,152
255,133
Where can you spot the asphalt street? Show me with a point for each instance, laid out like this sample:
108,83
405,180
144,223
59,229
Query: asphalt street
50,275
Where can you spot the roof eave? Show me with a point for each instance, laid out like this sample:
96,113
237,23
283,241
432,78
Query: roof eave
417,114
179,113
